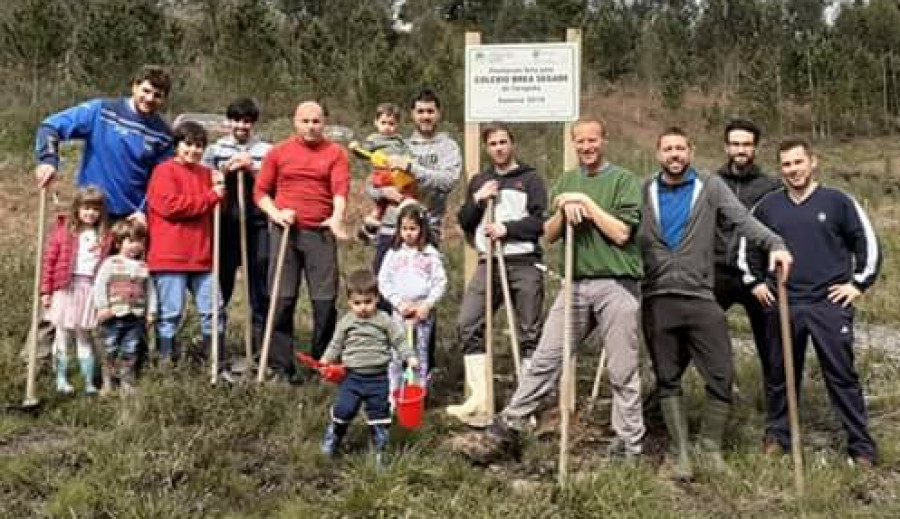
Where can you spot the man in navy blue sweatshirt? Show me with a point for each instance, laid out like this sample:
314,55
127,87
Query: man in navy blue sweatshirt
836,258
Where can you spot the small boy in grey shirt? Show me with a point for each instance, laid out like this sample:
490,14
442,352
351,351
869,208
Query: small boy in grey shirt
363,340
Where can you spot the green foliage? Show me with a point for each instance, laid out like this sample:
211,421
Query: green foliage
32,35
110,39
776,60
249,50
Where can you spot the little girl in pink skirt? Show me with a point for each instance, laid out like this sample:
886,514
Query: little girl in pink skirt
74,251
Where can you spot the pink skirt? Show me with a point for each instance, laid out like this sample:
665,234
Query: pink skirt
73,307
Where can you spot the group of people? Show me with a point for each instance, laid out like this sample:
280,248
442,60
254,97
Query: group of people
674,255
668,257
143,188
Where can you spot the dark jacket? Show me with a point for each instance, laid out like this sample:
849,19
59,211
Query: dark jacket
521,206
749,187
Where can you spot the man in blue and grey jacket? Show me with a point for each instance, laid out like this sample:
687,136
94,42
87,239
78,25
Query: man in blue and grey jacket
124,139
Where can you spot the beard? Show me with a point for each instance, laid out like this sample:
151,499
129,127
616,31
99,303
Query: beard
738,167
667,168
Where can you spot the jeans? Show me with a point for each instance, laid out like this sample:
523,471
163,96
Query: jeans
170,287
122,335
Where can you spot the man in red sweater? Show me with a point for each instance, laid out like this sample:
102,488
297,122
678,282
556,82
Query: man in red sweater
302,187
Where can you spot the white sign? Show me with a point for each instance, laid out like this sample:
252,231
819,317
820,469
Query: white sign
522,82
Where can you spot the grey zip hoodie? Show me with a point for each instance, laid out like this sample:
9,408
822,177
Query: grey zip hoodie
689,269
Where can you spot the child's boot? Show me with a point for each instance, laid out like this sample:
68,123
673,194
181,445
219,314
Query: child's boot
168,353
87,371
106,372
62,381
380,434
126,374
334,433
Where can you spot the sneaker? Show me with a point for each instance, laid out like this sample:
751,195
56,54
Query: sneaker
226,376
64,388
242,365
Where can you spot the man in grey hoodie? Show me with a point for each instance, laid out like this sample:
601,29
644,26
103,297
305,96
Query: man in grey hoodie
436,163
749,184
683,209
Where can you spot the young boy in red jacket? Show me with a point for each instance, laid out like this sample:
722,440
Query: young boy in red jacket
181,198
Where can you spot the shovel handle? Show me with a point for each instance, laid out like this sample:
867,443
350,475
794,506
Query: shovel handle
274,290
787,350
30,397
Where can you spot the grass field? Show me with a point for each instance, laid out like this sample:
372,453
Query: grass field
180,448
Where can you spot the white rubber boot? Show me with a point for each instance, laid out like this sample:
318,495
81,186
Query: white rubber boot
474,410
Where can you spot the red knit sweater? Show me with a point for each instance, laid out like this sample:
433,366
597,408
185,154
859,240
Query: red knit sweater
180,203
305,178
59,256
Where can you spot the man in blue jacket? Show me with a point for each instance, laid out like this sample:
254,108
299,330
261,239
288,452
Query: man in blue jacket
124,139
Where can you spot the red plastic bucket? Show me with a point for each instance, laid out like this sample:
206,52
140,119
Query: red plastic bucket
410,399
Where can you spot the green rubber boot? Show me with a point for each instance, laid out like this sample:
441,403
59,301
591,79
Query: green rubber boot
679,447
62,379
712,429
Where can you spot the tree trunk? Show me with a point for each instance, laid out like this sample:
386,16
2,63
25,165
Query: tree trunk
812,95
886,115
